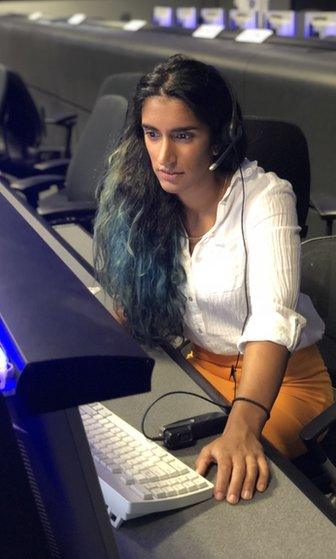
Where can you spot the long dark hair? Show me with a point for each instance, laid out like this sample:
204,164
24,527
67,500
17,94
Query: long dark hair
138,230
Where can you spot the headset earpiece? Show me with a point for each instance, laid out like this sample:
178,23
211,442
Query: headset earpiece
232,143
234,134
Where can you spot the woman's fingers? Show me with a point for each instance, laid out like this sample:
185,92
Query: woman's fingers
252,472
238,473
224,471
264,473
237,479
204,459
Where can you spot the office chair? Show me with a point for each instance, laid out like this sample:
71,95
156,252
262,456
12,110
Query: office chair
318,281
75,201
120,84
22,128
325,205
281,147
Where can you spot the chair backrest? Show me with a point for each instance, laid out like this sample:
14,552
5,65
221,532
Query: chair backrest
281,147
102,129
120,84
318,279
20,121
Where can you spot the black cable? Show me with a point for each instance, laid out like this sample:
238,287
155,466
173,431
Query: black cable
160,438
245,252
234,367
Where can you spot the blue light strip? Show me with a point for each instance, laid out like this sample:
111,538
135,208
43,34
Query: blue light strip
12,352
7,376
3,360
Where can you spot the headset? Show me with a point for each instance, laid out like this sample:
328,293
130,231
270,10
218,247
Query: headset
234,133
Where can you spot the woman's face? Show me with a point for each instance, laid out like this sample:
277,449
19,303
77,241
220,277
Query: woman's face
178,144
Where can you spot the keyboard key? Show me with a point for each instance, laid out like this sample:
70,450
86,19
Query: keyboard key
142,492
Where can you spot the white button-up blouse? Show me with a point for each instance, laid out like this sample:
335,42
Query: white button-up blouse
215,290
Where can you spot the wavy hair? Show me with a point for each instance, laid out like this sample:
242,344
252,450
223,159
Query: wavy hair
138,230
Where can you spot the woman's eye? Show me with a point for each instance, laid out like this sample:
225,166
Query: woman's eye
151,134
183,136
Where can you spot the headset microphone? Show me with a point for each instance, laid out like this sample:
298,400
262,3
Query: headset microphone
233,142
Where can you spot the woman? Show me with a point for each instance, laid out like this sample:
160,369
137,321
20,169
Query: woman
192,239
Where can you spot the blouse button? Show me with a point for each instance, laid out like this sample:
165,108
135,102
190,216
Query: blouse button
199,330
190,298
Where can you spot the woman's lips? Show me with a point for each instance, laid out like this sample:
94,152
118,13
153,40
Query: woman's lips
169,176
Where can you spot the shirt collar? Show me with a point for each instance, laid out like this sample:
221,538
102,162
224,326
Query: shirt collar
247,168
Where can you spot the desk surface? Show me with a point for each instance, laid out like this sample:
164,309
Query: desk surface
282,522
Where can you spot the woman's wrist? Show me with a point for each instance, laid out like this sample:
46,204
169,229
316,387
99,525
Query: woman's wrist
254,403
245,415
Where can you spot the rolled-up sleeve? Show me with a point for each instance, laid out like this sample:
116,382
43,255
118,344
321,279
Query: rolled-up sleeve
273,268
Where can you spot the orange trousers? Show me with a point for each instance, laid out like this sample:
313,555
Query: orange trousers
305,392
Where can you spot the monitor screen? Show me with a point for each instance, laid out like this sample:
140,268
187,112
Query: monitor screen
319,24
214,16
163,16
282,22
246,19
186,17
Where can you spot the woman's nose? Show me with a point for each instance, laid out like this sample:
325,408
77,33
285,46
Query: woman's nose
166,156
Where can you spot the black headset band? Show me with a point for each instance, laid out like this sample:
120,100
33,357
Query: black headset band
235,131
234,140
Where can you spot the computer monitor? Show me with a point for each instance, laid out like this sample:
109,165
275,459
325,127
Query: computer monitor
319,24
242,19
163,16
214,16
282,22
186,17
66,349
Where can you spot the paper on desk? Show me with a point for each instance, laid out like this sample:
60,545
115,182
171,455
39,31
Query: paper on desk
207,31
76,19
134,24
254,35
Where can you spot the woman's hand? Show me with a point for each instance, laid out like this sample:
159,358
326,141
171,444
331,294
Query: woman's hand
241,463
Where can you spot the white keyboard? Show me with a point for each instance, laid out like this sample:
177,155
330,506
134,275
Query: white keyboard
136,475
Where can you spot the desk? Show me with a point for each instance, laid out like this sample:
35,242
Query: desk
281,523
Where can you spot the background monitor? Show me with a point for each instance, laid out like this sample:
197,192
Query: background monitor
163,16
246,19
214,16
282,22
186,17
319,24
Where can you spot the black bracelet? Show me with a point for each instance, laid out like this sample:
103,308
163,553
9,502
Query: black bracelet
253,402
